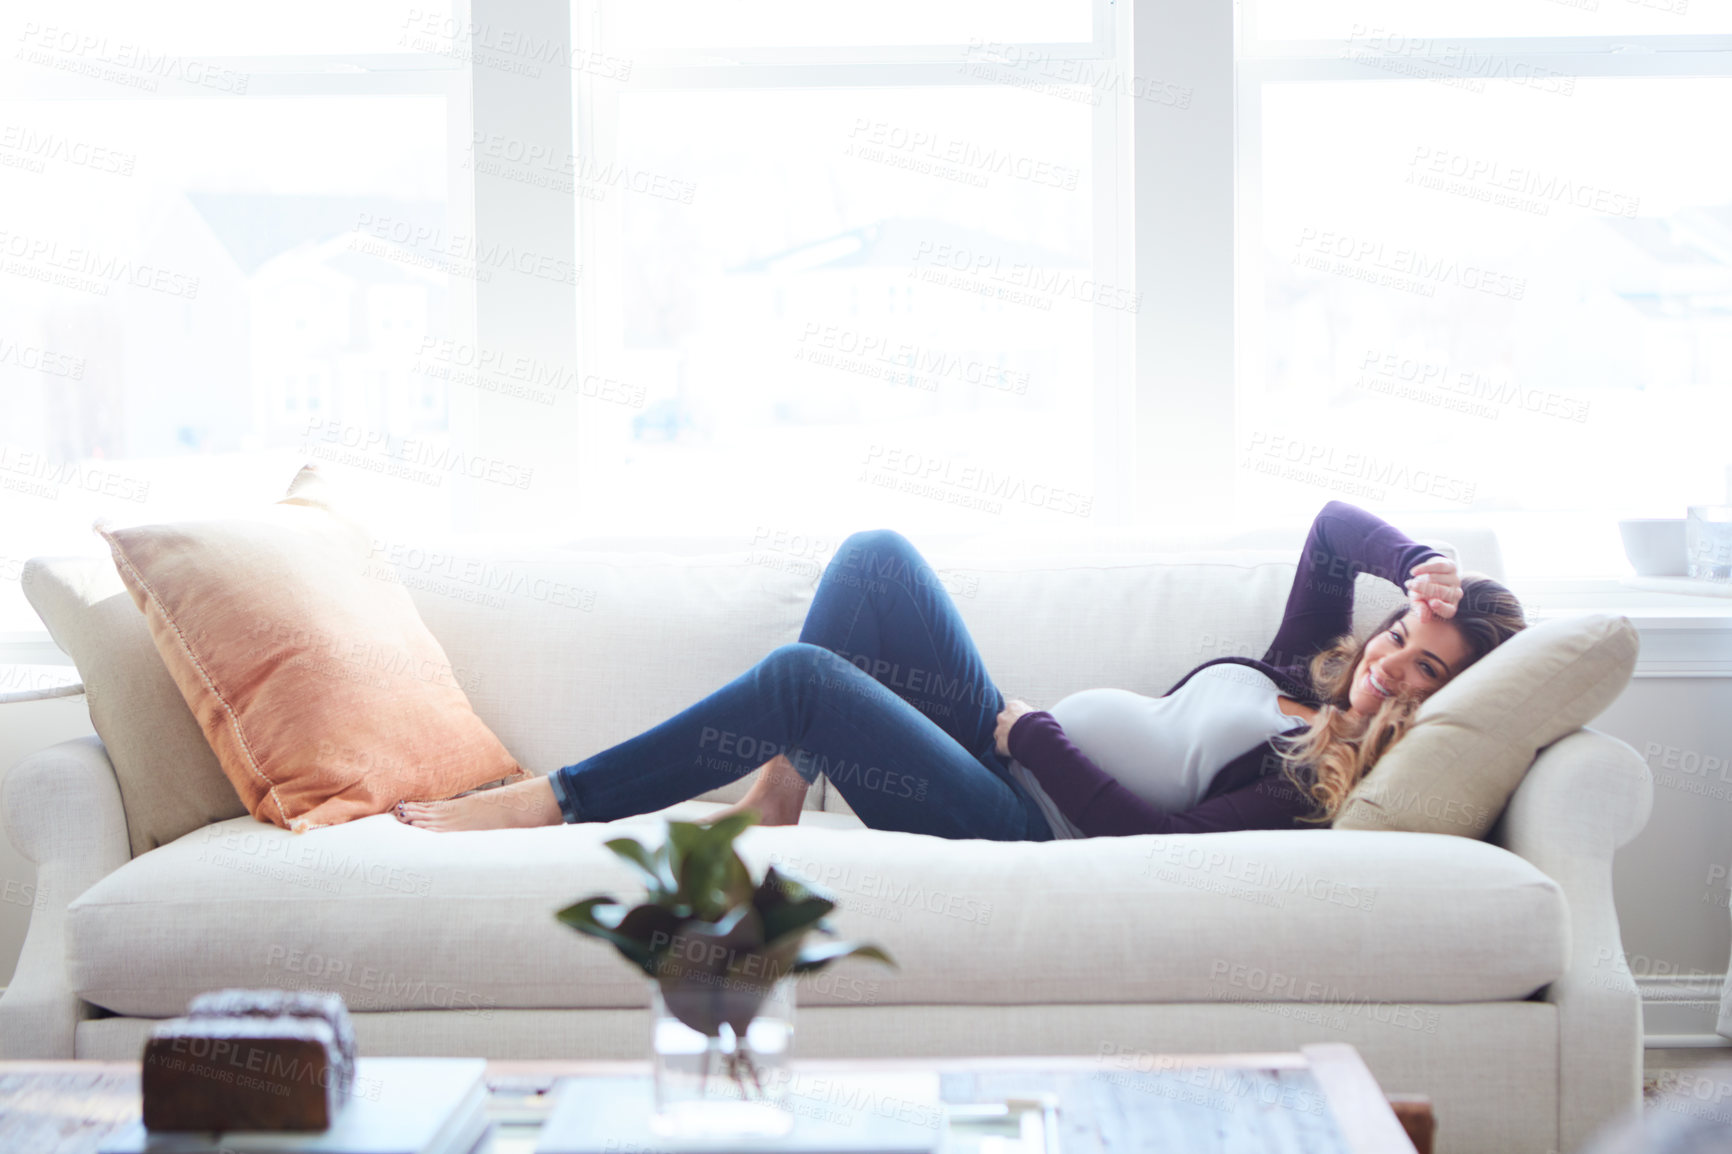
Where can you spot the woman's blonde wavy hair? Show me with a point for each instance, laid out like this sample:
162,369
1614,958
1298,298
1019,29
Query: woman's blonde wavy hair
1339,749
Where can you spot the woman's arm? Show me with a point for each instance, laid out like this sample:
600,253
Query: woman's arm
1101,807
1344,541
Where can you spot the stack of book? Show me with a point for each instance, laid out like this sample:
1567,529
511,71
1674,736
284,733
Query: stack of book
396,1106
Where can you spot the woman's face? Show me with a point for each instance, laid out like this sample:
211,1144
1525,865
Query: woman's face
1411,658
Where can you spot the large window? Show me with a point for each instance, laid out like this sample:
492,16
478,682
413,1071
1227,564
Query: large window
656,269
204,278
849,266
634,268
1488,275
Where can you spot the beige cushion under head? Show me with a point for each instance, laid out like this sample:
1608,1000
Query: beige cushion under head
170,780
1472,741
311,675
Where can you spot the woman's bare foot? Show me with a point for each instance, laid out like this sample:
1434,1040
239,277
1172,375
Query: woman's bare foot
777,793
517,806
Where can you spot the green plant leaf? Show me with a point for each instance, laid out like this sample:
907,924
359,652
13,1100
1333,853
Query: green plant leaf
656,928
736,887
584,915
690,859
706,919
711,948
788,905
768,965
648,862
735,929
712,878
815,957
730,827
596,917
682,835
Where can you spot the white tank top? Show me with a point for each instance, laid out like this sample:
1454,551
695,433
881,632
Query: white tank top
1167,750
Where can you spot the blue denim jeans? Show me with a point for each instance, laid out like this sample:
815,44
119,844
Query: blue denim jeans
884,694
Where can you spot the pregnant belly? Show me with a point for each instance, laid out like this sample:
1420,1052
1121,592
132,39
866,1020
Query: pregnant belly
1126,735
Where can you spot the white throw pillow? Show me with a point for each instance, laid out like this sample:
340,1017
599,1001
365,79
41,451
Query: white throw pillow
1472,741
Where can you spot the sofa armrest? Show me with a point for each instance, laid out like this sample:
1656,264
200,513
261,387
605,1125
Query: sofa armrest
1587,795
62,811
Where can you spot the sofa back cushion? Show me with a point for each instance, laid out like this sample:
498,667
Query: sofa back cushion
564,652
170,781
1472,741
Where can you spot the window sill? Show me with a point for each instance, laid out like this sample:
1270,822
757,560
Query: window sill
1681,634
20,683
1683,631
1656,602
30,647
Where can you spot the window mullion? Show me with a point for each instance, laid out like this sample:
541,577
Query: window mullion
1184,181
1114,263
527,265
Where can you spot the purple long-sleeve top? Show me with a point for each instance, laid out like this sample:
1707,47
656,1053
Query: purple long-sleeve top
1251,791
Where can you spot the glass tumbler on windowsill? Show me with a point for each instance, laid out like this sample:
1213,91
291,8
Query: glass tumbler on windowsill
1708,542
731,1084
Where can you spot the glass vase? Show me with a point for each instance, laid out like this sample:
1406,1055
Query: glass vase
731,1083
1708,542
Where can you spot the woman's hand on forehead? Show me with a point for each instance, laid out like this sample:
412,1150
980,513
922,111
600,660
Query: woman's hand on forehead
1435,588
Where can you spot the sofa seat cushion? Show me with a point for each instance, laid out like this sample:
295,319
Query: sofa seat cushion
396,918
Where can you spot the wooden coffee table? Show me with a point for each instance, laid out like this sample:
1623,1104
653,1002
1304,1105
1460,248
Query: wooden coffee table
69,1107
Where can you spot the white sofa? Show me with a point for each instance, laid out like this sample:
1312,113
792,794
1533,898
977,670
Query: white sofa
1488,975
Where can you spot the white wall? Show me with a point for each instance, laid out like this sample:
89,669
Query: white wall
1671,882
1671,901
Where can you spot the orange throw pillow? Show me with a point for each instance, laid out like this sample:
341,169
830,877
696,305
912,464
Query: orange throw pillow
315,681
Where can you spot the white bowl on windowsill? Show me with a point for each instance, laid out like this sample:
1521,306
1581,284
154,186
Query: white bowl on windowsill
1655,545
